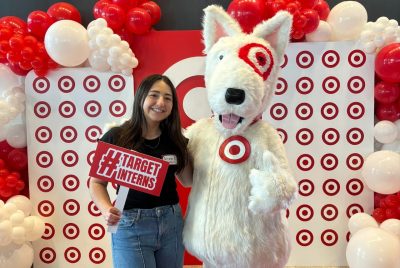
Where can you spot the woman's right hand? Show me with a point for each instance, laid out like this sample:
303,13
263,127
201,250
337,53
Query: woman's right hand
112,216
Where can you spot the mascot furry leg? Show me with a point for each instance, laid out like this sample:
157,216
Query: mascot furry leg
241,181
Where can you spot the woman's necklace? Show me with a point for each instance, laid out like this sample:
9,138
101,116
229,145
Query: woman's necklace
153,146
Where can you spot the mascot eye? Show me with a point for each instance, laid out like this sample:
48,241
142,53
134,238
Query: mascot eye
261,59
221,57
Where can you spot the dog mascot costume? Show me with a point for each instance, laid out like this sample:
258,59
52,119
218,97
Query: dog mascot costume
241,179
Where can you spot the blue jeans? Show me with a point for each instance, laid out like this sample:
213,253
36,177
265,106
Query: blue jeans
149,238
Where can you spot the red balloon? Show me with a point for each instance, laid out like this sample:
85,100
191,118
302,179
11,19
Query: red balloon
138,21
64,11
248,13
126,4
17,159
98,8
379,214
293,7
125,35
392,201
273,6
312,20
389,111
386,92
18,25
38,22
323,9
308,3
5,149
392,213
114,15
387,63
14,66
154,11
5,32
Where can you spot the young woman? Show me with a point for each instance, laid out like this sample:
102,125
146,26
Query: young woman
150,227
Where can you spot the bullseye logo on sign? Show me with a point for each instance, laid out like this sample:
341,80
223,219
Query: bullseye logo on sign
138,171
235,150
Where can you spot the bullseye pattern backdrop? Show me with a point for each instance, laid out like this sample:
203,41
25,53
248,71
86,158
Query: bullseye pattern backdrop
323,109
66,113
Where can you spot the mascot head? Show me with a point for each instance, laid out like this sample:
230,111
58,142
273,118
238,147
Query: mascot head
241,69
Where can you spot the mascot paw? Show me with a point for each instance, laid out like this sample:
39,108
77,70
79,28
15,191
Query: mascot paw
261,197
272,188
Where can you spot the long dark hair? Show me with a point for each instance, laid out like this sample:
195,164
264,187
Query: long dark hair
132,131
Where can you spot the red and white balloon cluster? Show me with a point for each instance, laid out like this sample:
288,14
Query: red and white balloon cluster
378,34
108,51
17,229
306,13
21,43
12,95
372,245
134,16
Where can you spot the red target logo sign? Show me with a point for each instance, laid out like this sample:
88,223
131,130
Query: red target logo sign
330,58
41,85
304,237
235,150
91,83
47,255
305,59
66,84
306,187
116,83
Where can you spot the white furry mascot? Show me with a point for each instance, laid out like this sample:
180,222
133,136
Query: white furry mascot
241,181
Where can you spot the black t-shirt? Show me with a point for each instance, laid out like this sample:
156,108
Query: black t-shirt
156,148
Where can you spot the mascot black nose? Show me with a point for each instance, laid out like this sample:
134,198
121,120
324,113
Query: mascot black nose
234,96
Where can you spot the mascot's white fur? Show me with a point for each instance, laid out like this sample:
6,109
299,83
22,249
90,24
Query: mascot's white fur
241,181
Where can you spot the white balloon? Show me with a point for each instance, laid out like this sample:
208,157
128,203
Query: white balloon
66,42
16,135
385,131
22,202
17,218
347,20
5,232
323,33
18,235
381,172
361,220
366,36
16,256
391,226
37,228
98,61
373,248
393,146
8,78
382,20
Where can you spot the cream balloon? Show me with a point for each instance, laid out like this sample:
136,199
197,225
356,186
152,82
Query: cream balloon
359,221
373,248
16,136
347,20
385,131
322,34
381,172
22,202
67,43
391,226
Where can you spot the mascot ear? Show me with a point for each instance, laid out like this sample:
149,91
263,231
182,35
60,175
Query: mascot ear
276,31
216,24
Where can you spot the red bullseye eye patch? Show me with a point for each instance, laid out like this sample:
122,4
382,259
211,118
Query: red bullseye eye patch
258,57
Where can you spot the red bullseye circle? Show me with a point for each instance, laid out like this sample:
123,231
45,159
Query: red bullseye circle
235,150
